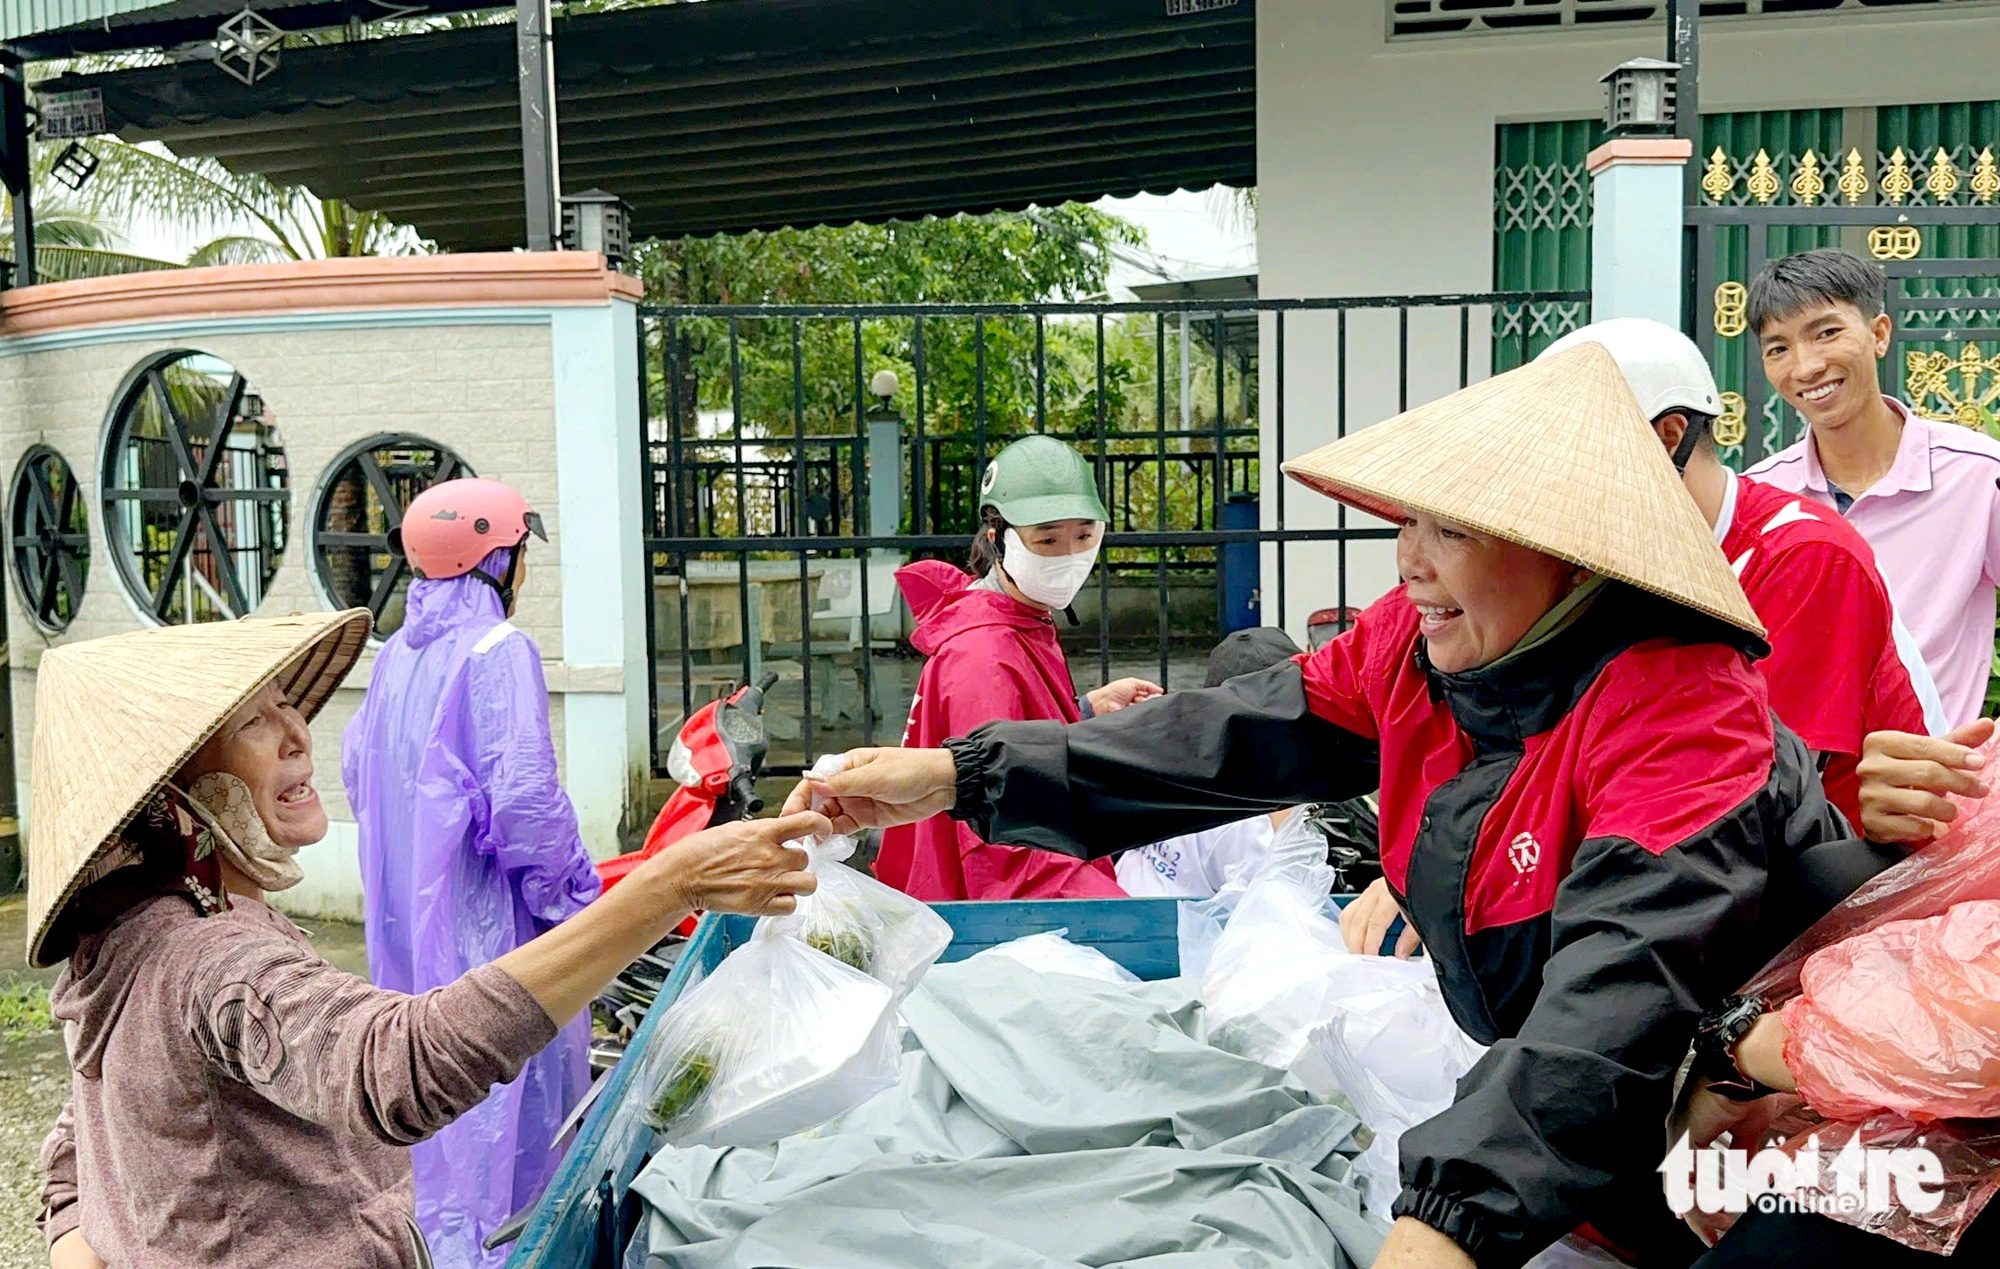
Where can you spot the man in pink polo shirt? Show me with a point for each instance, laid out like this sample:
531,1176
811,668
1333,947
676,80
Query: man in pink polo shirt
1926,495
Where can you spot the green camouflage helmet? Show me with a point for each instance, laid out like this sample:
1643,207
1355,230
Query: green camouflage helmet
1038,479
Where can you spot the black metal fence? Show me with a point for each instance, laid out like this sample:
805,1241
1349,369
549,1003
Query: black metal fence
789,477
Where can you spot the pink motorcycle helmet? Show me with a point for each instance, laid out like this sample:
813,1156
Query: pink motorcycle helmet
448,528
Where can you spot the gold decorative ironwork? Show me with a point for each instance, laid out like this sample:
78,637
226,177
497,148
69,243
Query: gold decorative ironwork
1854,179
1763,184
1985,177
1932,394
1718,182
1732,300
1809,184
1942,183
1729,427
1897,184
1895,242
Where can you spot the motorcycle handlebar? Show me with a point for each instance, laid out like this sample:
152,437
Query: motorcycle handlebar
745,787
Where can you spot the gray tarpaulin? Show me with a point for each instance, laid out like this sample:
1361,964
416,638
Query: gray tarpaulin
1041,1121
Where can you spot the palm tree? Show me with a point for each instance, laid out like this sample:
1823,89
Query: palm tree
1233,209
249,219
71,244
254,219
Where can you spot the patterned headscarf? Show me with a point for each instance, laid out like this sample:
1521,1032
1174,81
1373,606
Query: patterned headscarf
166,849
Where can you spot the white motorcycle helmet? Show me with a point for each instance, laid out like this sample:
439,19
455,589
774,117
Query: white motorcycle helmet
1663,367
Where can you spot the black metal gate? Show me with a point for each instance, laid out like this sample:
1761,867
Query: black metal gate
788,477
1930,222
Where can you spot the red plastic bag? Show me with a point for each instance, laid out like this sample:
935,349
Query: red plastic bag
1892,1008
1962,865
1903,1018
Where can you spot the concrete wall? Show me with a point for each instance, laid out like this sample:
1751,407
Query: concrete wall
520,391
1375,164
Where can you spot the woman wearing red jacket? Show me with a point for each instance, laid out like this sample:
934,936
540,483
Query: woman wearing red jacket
991,640
1588,812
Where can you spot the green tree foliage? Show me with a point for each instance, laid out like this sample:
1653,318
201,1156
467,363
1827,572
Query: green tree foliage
236,219
1062,253
979,375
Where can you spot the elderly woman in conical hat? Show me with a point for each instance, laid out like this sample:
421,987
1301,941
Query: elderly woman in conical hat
236,1100
1582,791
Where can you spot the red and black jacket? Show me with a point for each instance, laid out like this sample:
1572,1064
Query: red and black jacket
1598,839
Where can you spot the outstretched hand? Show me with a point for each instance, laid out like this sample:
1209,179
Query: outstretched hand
880,788
745,867
1119,693
1905,777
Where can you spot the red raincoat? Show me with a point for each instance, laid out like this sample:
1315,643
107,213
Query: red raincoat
991,657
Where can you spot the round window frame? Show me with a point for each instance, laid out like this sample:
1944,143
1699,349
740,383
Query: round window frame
16,550
323,492
125,557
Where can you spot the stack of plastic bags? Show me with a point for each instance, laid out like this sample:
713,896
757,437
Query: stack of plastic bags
1392,1049
1280,987
799,1024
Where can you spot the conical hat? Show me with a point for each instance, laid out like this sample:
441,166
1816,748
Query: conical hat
116,718
1555,456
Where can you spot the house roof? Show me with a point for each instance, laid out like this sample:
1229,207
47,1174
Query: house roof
741,114
1213,286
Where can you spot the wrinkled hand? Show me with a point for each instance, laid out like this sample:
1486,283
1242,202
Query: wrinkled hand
1115,696
743,867
1365,922
881,788
1710,1117
1904,779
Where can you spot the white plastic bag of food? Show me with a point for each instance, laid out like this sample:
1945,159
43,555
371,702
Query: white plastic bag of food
1389,1045
1051,952
862,923
778,1039
1201,921
1265,985
857,920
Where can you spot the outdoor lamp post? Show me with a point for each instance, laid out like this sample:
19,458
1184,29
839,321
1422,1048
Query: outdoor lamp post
1639,98
1637,178
885,457
600,222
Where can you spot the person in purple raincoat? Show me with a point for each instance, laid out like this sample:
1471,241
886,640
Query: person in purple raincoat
469,847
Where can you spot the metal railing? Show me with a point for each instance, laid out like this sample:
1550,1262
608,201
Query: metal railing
784,492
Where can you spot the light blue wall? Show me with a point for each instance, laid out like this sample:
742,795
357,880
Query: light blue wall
1636,242
602,529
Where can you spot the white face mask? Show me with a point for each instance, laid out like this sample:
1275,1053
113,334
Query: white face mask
240,835
1053,580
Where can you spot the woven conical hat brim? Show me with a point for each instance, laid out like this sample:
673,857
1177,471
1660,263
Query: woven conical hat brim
1555,456
115,718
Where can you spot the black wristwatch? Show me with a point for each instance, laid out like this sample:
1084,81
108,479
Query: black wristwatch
1715,1039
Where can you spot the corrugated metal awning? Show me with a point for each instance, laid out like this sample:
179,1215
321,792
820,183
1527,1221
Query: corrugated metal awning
32,17
742,114
39,29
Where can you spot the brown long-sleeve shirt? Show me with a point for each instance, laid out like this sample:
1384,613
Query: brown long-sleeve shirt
237,1101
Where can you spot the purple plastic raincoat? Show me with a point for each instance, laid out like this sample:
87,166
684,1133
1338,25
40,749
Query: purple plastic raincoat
469,848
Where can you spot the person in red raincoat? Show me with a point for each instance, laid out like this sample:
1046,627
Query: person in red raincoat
991,639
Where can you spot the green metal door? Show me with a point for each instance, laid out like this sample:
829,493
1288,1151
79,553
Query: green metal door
1541,230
